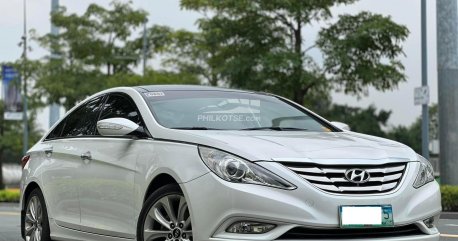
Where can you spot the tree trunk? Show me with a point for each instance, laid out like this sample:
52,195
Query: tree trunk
214,79
299,92
108,69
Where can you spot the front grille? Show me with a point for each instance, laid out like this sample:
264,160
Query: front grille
302,233
331,178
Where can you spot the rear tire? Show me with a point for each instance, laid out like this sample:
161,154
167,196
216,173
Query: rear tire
165,216
35,222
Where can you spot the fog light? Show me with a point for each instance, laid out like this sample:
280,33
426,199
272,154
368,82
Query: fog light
429,222
248,227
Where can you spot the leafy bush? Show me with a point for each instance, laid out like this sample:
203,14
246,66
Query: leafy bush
449,198
10,195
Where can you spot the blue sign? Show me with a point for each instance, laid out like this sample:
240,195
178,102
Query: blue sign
11,93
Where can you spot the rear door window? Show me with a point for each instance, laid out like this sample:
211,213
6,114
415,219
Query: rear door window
81,122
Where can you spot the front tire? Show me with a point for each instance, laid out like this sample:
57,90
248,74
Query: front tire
165,216
36,224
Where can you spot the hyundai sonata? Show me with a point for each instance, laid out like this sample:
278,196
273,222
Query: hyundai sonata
201,163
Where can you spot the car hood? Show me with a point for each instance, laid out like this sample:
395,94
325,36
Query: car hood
302,146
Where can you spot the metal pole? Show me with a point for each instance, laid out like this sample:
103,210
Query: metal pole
145,47
54,108
447,67
424,82
25,139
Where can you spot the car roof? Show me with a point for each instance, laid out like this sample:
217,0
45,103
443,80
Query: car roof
152,88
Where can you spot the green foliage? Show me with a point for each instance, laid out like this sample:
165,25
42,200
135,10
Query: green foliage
411,135
374,122
449,198
408,135
368,121
195,53
10,195
11,132
100,49
11,141
259,45
152,78
11,136
362,51
90,48
100,37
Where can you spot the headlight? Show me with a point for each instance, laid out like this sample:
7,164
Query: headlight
235,169
425,174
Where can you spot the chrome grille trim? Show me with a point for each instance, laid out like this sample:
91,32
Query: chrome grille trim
331,178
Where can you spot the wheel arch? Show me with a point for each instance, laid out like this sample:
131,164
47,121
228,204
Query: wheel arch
30,187
157,182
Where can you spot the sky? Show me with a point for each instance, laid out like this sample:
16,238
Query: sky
168,12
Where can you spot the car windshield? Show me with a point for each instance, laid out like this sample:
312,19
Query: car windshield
229,110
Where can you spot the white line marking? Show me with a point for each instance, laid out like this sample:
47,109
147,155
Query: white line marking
449,235
9,214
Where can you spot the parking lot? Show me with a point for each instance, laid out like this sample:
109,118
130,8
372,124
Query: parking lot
10,225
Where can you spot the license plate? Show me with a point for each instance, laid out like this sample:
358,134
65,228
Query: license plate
366,216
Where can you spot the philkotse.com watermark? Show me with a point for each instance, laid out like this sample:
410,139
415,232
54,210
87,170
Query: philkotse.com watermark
228,118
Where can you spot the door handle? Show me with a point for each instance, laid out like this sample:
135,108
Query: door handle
86,157
48,151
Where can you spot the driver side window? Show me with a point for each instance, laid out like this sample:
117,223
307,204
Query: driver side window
120,106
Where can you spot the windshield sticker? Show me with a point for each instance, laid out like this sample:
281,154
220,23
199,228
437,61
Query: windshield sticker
231,110
154,94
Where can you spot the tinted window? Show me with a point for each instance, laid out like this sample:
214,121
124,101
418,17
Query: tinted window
81,122
119,106
57,132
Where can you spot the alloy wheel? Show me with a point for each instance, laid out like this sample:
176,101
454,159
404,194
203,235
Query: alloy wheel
33,220
168,219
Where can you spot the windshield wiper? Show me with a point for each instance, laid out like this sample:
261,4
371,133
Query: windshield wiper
274,128
194,128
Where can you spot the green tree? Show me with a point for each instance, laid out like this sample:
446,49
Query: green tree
152,77
411,135
98,49
408,135
368,121
197,54
260,45
90,48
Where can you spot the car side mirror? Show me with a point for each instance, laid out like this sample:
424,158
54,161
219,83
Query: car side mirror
341,125
119,127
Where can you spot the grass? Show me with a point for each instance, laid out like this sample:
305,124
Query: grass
10,195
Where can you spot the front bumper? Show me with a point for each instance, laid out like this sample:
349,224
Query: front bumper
215,204
433,237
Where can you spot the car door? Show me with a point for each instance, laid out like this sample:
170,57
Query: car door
107,192
62,164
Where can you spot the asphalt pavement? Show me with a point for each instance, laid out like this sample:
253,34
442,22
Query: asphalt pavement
10,224
10,220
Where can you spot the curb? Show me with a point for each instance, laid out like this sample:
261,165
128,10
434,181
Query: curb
9,204
449,215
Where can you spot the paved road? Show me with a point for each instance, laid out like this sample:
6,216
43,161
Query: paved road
10,223
10,229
